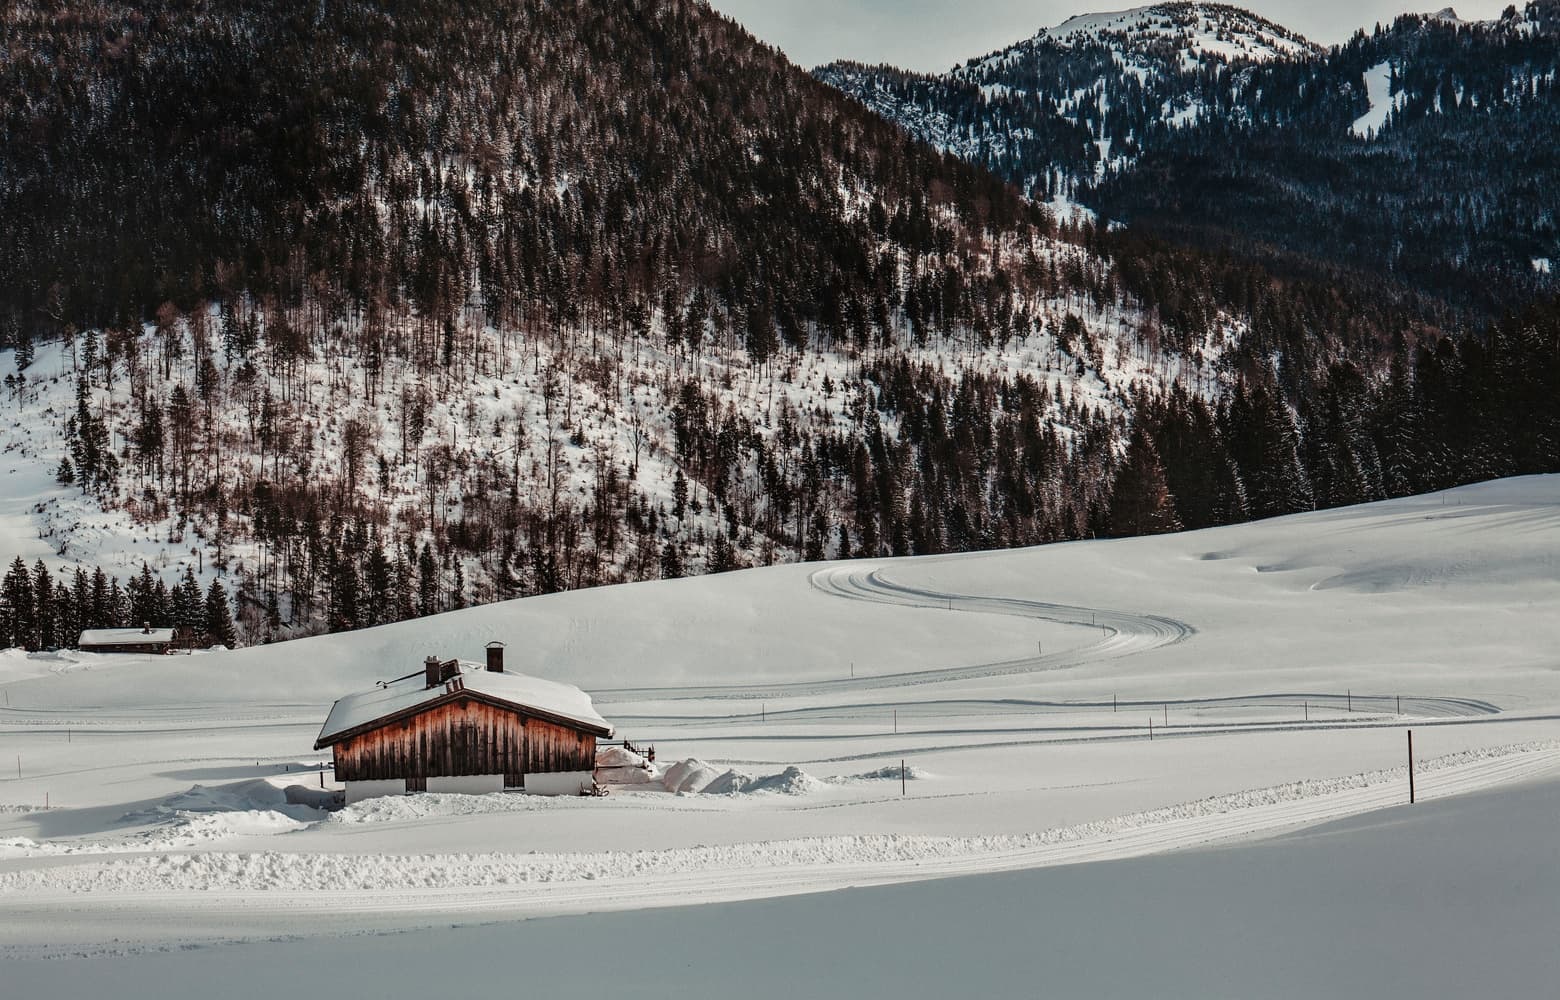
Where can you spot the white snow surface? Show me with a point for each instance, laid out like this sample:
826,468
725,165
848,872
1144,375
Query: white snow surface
1049,706
1378,87
1197,29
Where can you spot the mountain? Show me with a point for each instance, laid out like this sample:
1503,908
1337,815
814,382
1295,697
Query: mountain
360,312
1416,158
376,311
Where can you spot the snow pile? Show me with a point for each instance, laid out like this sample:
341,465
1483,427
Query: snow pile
689,776
792,781
622,766
888,772
17,847
619,757
205,813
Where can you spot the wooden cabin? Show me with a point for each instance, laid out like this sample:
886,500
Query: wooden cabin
126,640
457,726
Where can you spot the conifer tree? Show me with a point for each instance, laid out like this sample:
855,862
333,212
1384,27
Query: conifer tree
219,617
1140,501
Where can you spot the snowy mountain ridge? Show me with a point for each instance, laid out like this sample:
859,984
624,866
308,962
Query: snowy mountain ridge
1153,117
1199,31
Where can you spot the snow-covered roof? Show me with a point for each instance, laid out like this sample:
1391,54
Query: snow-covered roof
550,698
123,636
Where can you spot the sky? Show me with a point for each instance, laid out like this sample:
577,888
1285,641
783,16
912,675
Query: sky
935,35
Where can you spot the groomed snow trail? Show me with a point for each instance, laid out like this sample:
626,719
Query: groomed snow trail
1124,634
536,884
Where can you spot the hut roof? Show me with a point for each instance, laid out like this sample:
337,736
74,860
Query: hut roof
124,636
370,709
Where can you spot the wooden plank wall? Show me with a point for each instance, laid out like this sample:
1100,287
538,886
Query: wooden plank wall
464,737
551,747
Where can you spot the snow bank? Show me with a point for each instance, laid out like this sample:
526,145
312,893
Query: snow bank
885,773
205,814
689,776
792,781
619,757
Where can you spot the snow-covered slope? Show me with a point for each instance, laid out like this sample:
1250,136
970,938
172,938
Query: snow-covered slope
1060,704
1198,31
566,425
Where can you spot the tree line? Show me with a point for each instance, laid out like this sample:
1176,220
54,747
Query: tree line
40,609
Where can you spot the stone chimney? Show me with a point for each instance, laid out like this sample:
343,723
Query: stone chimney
432,672
146,628
495,657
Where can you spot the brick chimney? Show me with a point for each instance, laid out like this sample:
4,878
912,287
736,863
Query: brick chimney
432,672
495,657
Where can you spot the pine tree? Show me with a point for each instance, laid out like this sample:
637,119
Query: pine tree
1140,501
44,612
427,583
18,588
458,588
671,561
219,617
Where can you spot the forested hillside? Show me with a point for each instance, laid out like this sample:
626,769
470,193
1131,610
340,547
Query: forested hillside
367,313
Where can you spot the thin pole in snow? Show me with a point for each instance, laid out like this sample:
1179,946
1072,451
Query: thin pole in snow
896,720
18,767
1400,704
901,776
1410,767
1113,701
1150,729
1351,700
1308,711
1167,715
763,712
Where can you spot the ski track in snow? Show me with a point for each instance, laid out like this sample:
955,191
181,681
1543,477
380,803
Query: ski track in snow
538,884
1125,634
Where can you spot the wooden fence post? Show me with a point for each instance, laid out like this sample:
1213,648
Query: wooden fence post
1410,767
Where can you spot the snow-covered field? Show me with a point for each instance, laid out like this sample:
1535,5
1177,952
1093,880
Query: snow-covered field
1278,664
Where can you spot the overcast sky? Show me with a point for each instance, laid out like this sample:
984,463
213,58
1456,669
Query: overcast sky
934,35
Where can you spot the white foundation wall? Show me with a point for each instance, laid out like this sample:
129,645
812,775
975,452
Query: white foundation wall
558,782
467,784
357,791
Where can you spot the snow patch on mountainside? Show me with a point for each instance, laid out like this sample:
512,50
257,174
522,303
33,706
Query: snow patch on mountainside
1378,88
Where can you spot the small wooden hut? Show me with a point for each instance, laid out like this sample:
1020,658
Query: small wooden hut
125,640
464,727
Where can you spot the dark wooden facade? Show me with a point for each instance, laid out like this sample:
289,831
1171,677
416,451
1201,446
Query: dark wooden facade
463,734
125,647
